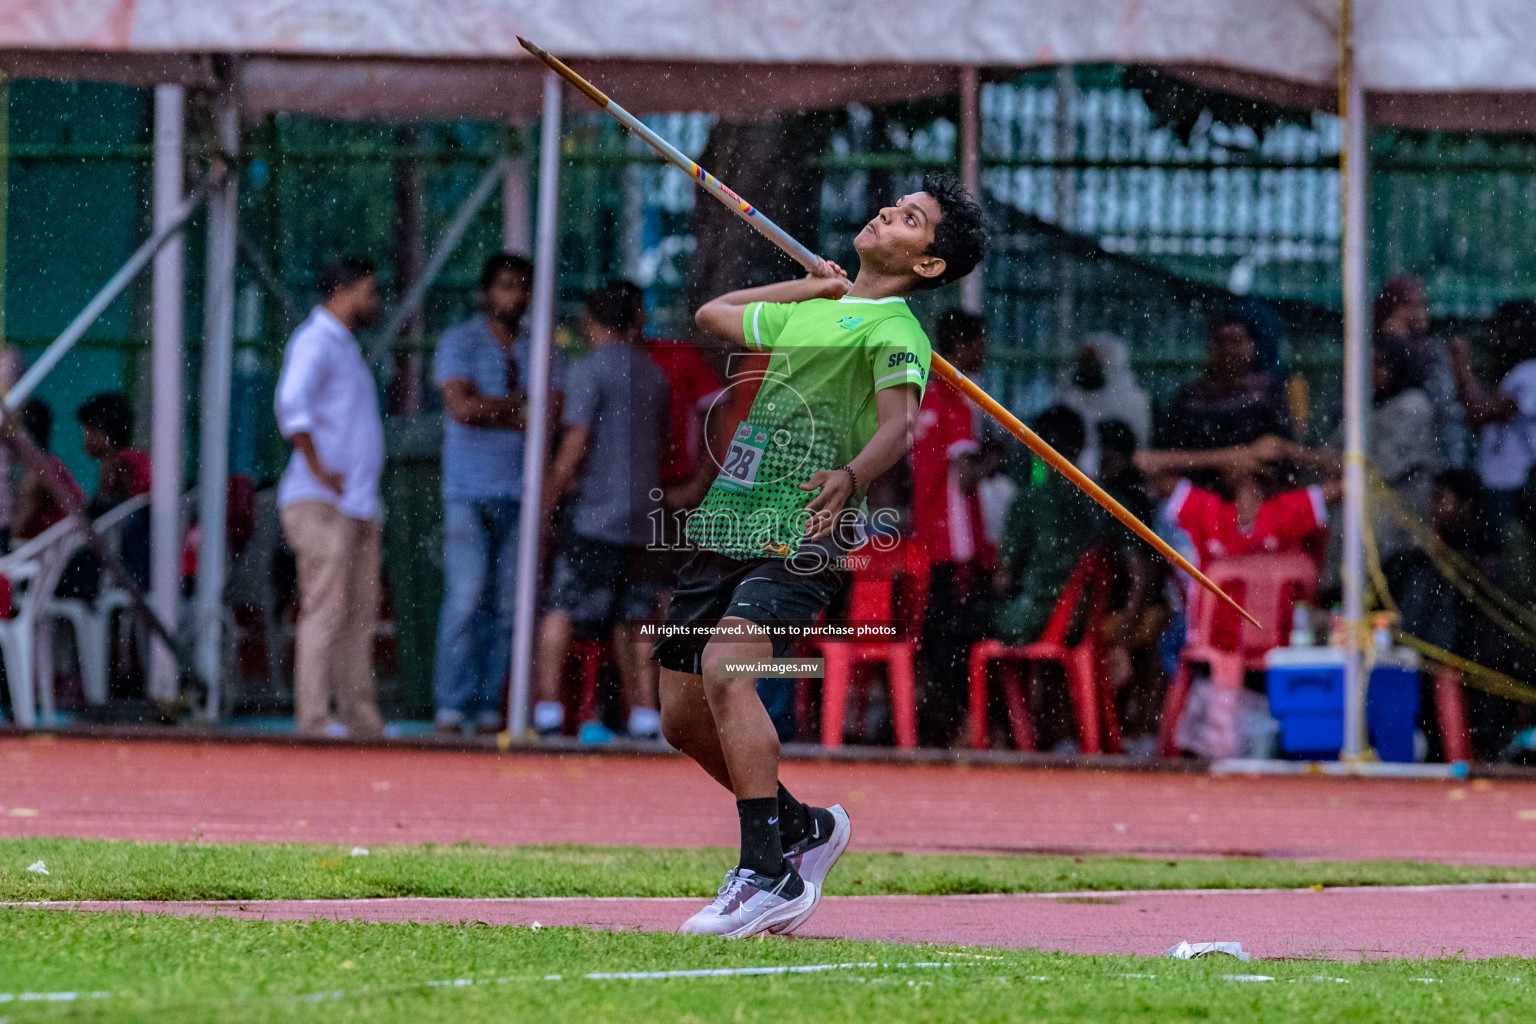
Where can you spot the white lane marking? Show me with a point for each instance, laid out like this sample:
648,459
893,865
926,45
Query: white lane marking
51,997
725,972
734,972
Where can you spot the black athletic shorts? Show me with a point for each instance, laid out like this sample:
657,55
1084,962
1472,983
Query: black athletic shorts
767,591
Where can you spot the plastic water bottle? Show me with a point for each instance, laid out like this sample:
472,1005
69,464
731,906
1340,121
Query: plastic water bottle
1301,626
1381,632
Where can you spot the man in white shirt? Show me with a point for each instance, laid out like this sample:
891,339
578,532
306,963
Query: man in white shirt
1507,414
328,409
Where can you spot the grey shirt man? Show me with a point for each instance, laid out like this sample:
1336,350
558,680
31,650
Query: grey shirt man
621,396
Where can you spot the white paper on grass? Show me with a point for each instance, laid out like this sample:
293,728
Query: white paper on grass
1192,950
38,868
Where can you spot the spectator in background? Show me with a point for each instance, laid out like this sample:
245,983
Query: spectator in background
1233,403
1051,525
106,422
997,487
327,407
1506,414
615,422
1267,328
1099,386
1400,315
10,373
1518,559
692,383
1251,512
483,370
36,506
1435,610
947,523
1402,439
1138,616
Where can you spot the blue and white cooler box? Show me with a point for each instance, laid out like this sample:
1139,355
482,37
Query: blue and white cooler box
1306,696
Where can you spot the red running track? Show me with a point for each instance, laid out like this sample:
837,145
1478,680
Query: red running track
1338,924
271,792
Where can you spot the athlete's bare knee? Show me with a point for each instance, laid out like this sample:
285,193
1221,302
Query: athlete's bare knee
719,682
680,726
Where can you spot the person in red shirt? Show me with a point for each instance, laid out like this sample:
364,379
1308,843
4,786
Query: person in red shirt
692,381
106,422
1249,515
947,523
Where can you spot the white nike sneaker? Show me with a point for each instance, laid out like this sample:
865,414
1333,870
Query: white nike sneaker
814,856
749,904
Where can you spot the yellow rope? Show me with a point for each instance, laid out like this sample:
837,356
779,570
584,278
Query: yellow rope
1460,574
1472,674
1515,619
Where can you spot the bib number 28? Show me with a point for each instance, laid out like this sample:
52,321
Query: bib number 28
743,458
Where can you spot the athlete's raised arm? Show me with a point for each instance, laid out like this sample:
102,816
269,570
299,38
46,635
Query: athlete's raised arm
896,412
722,316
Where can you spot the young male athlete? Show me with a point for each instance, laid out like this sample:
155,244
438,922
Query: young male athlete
837,407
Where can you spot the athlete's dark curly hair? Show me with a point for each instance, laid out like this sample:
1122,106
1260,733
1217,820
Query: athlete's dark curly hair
960,236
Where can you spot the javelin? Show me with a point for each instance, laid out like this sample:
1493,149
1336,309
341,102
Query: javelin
807,259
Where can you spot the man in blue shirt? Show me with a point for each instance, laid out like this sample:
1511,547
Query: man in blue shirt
483,371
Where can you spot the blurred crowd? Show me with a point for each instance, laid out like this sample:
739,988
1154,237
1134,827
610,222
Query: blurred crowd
1233,464
1228,467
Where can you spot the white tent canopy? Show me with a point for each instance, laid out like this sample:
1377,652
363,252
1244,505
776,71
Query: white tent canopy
404,57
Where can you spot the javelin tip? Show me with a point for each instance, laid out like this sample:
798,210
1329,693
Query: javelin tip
556,65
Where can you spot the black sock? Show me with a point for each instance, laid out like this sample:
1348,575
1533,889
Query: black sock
794,818
760,848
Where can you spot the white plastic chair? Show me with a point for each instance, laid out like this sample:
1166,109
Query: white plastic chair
33,570
92,623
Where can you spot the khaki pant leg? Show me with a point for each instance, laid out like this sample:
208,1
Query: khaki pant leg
356,695
321,538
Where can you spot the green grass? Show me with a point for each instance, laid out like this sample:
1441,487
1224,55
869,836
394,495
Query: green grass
201,969
103,870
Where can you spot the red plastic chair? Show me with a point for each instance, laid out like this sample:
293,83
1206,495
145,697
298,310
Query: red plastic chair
891,587
1093,702
1269,586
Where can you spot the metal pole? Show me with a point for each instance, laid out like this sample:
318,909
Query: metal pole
218,353
165,437
269,280
1064,183
109,291
378,350
514,207
530,521
5,191
1356,363
970,166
